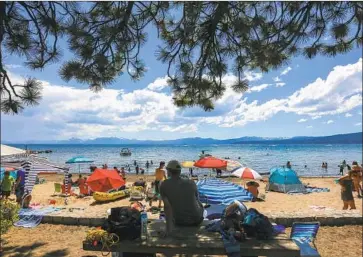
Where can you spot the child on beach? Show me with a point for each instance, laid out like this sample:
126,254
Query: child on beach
7,185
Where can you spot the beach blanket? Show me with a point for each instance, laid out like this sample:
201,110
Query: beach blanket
310,190
30,218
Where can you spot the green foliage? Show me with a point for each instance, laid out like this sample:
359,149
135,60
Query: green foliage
8,215
199,41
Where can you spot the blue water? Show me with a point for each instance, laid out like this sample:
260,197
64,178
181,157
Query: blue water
259,157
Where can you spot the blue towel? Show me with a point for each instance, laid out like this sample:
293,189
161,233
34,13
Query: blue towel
305,248
30,218
231,245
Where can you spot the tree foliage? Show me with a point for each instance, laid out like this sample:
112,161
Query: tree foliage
200,41
8,215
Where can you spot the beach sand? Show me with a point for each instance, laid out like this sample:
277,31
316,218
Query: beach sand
59,240
274,203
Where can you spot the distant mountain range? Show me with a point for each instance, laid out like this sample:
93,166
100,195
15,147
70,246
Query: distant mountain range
352,138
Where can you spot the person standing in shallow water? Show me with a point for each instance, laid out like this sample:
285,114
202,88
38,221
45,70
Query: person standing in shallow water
288,165
346,183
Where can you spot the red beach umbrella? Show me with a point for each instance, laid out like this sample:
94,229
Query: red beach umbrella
103,180
211,163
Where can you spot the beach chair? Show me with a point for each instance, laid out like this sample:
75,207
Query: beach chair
57,188
304,234
137,193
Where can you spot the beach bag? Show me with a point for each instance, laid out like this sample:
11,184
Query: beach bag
257,225
124,222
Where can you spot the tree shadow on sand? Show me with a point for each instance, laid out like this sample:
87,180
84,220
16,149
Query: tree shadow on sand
26,251
21,251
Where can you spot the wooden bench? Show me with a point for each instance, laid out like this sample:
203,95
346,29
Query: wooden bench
198,241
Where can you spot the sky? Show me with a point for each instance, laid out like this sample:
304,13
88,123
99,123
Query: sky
317,97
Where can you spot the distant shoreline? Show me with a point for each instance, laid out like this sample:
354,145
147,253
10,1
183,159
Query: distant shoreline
350,138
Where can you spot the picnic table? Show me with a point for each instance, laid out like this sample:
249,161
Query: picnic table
198,241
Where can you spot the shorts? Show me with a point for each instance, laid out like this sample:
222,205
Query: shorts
5,193
157,187
19,192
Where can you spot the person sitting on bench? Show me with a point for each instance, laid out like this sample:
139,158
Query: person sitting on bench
182,206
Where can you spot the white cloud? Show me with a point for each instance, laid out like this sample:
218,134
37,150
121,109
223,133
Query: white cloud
252,76
182,128
347,115
358,124
280,84
158,84
329,122
319,98
258,88
302,120
71,112
13,66
276,79
309,127
285,71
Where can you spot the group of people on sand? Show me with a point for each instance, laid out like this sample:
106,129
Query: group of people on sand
349,183
16,185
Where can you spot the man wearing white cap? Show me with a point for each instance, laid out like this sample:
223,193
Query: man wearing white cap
181,200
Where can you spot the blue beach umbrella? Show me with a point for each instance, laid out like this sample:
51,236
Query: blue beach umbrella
79,160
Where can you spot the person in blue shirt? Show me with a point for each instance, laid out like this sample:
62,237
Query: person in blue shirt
19,185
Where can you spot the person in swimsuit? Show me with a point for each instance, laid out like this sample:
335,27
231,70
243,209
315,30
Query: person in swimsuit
346,182
357,177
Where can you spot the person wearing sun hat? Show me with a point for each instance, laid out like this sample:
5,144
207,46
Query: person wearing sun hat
181,199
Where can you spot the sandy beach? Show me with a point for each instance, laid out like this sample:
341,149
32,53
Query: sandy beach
274,202
61,240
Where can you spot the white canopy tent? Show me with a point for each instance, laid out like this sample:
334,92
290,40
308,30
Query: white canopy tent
11,151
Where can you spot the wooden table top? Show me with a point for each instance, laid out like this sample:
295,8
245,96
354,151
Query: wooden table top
196,240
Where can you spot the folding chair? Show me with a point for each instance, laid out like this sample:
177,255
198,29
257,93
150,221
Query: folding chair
304,233
57,188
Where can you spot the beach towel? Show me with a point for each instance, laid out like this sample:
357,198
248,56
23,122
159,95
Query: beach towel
231,245
305,248
310,190
30,218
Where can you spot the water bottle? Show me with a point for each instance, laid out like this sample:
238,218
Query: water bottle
143,225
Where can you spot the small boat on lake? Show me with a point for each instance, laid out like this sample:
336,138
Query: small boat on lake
125,152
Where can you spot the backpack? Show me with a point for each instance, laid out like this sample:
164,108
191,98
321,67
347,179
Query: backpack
124,222
257,225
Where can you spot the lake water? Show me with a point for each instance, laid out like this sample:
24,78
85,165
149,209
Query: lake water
259,157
